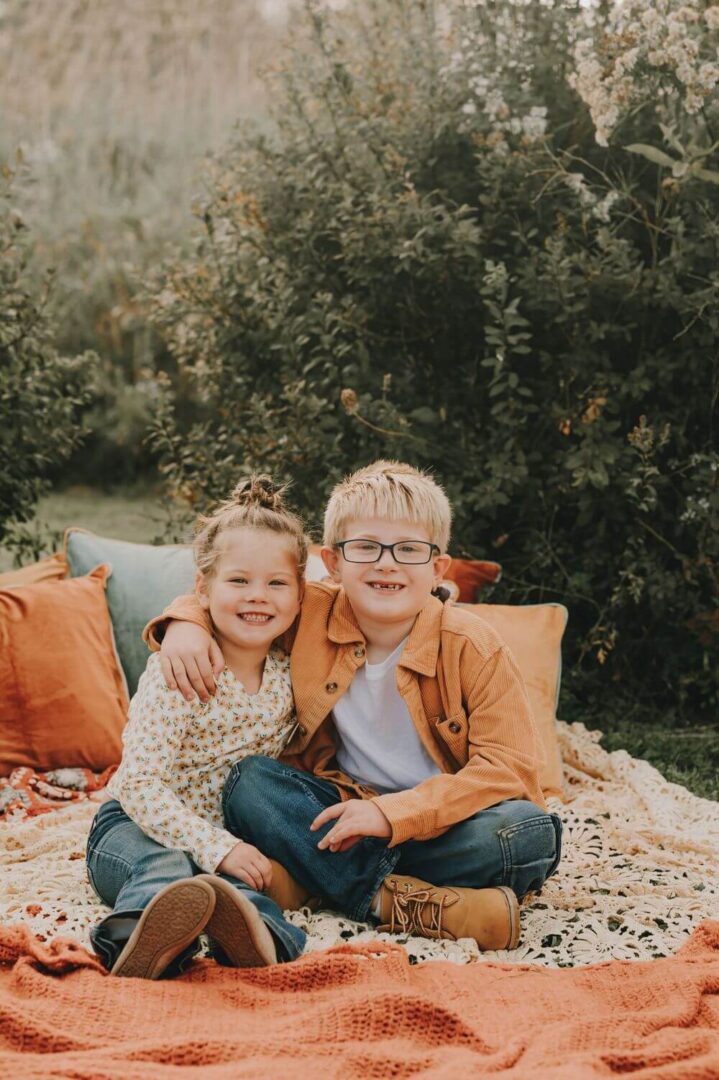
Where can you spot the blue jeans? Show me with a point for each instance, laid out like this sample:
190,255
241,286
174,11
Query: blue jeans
271,805
126,869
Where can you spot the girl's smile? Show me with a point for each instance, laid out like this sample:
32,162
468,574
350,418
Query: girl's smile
253,594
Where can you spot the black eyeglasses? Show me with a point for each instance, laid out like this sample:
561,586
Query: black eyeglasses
414,552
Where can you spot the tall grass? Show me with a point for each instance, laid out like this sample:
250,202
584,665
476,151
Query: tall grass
112,104
109,109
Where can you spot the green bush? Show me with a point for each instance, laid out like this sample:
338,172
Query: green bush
41,392
432,258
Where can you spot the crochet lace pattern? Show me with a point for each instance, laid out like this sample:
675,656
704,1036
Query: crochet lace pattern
640,869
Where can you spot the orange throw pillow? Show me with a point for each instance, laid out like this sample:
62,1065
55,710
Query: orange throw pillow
53,568
63,700
533,634
470,576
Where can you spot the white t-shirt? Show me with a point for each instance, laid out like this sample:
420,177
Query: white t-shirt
379,745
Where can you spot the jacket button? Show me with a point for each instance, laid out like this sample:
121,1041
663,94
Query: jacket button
331,687
301,730
454,727
359,652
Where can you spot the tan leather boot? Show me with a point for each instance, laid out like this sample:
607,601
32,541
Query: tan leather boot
411,906
287,893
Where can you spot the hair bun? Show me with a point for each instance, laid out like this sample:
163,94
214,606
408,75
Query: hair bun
259,490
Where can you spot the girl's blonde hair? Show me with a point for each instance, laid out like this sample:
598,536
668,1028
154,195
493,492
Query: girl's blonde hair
392,491
255,503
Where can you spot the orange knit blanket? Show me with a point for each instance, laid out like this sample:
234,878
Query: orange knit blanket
360,1012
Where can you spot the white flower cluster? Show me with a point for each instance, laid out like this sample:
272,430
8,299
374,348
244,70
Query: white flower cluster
577,184
695,508
588,200
638,49
486,109
603,208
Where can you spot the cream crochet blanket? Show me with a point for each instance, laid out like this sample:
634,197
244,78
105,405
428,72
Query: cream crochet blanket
640,869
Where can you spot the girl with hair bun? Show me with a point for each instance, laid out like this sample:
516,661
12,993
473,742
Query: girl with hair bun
159,852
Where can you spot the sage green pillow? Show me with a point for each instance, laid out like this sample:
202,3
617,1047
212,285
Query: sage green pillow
144,579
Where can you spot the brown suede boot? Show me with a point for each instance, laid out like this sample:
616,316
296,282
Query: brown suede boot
287,893
411,906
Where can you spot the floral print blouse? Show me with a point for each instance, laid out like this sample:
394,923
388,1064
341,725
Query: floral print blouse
177,753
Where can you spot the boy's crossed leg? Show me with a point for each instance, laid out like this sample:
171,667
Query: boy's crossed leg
511,846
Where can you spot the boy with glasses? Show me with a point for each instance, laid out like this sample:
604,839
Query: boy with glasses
409,791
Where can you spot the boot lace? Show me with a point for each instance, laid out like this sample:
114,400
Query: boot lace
410,908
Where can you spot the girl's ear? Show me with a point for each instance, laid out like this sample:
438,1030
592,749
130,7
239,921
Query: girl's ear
331,558
201,590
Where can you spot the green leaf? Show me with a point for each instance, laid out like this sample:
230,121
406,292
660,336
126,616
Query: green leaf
651,153
707,174
424,415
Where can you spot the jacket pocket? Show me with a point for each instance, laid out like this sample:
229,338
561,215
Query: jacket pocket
453,731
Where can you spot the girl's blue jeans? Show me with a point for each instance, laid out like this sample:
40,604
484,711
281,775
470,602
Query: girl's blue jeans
271,805
126,869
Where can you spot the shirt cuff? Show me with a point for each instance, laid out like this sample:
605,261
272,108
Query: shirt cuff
408,822
210,855
183,609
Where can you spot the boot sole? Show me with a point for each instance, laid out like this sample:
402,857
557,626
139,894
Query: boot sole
170,922
237,927
510,898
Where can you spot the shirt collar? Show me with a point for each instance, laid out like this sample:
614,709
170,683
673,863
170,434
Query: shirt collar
342,627
422,648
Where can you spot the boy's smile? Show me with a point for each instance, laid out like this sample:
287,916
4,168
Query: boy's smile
386,596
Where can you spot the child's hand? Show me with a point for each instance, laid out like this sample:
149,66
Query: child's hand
356,818
249,865
190,658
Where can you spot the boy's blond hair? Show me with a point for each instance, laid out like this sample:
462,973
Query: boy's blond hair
392,491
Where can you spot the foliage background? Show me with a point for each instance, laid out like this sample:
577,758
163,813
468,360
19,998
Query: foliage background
107,111
430,257
418,249
41,392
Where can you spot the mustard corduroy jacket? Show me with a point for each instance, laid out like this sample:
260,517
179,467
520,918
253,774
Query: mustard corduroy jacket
460,683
